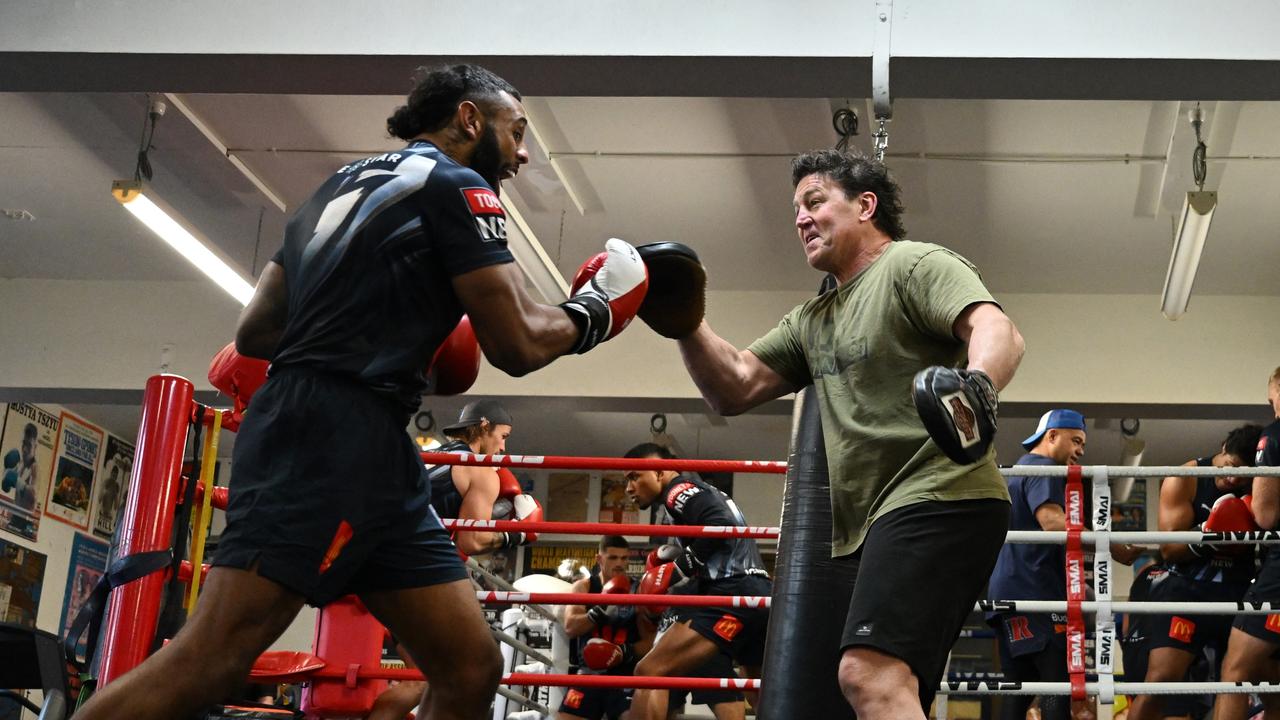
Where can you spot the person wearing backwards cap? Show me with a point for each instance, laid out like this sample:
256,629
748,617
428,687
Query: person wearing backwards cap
468,493
481,493
1033,645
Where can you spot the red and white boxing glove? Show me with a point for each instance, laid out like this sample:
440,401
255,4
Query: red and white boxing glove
1228,514
238,377
657,580
607,292
600,654
508,488
524,509
456,363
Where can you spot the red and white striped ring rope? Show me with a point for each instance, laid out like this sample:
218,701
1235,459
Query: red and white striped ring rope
1145,607
1039,537
953,687
779,467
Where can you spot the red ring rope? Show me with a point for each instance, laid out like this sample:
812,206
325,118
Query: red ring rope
558,462
585,528
547,598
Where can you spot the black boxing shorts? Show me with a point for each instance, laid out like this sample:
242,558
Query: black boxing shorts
738,631
919,572
596,703
719,666
1266,588
328,494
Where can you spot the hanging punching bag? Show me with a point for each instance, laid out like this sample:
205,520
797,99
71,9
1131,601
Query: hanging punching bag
810,592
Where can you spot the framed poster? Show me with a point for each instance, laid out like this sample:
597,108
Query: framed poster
26,446
615,506
88,564
75,460
112,487
21,577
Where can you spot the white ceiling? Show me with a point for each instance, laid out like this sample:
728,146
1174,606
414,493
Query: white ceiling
1037,193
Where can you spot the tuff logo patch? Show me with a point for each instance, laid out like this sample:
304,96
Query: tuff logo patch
486,209
963,417
728,627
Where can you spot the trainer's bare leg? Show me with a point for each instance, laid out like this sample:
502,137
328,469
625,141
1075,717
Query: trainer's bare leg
445,633
1164,664
879,686
679,651
1248,658
239,615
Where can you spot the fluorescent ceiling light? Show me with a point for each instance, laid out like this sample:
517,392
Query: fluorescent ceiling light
1188,244
533,260
130,195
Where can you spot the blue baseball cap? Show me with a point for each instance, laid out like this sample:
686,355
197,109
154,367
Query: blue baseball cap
1052,420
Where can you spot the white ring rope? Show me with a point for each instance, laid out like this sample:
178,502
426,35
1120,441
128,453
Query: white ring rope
1139,537
1141,471
999,687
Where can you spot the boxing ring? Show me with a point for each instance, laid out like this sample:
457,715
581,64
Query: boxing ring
343,669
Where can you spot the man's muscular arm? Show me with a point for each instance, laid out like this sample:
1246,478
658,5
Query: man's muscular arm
576,622
732,381
517,334
995,345
262,321
1176,512
479,488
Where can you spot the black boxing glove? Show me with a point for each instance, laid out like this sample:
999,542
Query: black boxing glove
958,408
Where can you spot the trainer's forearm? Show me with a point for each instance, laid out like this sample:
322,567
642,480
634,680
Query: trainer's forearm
996,348
716,368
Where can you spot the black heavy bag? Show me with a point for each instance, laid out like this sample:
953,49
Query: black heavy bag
810,591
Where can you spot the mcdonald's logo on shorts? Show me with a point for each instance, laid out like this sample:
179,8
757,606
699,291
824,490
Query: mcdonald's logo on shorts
573,699
728,627
1273,623
1181,629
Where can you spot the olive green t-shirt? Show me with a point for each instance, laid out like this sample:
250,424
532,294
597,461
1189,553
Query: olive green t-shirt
860,345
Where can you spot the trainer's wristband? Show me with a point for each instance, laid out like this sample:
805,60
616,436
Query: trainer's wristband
591,313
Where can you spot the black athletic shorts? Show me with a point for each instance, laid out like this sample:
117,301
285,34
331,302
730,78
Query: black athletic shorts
919,572
1187,632
328,494
595,703
1266,588
719,666
737,631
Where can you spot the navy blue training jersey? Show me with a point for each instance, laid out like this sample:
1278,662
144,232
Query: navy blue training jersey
1024,571
369,259
445,497
1269,446
688,500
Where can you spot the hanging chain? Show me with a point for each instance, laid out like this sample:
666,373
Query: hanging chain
880,138
1199,164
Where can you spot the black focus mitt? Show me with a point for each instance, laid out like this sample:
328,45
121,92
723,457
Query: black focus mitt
676,300
958,408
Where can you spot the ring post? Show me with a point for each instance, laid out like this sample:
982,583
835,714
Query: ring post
147,525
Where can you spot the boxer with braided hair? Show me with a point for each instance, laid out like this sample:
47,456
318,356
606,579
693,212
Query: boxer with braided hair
329,495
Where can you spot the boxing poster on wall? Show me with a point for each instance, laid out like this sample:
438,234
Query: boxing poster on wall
88,563
26,446
112,486
21,577
74,462
567,495
615,506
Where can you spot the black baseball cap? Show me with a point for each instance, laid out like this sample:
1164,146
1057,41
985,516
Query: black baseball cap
479,410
